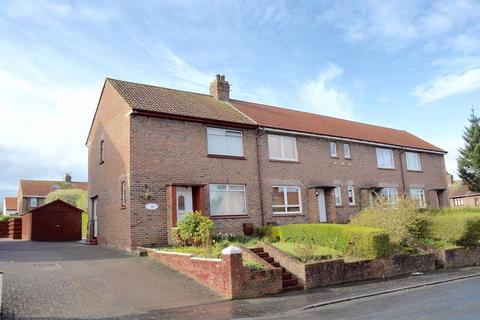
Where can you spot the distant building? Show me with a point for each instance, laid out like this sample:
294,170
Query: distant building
9,206
461,196
32,193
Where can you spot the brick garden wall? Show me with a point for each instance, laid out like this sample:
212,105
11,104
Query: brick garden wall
3,229
15,228
330,272
457,257
226,276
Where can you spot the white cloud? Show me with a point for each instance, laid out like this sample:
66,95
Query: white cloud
448,85
320,96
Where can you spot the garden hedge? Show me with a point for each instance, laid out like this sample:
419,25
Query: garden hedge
458,227
355,241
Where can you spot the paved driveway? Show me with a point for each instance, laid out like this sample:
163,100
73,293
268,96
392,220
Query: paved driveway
72,280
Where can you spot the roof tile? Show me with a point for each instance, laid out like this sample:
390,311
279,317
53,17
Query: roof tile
41,188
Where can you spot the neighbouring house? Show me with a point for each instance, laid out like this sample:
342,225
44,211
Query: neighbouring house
54,221
10,206
32,193
156,153
461,196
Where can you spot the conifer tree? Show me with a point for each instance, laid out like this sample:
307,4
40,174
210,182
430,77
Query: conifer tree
469,158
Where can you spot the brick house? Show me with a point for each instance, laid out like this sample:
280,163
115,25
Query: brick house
156,153
461,196
9,206
32,193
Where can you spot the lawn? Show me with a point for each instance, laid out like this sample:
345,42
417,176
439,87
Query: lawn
320,252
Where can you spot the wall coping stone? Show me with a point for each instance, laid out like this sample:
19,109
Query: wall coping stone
231,250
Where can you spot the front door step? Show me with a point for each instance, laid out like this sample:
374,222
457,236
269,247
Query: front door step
289,282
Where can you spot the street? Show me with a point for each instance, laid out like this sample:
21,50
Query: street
451,300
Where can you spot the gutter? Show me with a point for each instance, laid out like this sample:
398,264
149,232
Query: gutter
379,144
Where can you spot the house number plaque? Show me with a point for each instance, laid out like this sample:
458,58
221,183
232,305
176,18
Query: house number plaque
151,206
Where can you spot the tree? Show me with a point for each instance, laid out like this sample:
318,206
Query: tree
469,158
75,197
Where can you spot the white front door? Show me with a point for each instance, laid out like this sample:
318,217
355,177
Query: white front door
94,216
184,202
322,210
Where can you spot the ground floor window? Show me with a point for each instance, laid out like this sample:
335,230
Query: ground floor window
419,195
390,195
227,199
286,200
458,202
338,196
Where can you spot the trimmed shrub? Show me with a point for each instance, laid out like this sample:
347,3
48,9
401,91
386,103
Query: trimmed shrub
271,233
195,229
355,241
456,226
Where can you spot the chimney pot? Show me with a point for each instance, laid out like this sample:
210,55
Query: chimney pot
220,88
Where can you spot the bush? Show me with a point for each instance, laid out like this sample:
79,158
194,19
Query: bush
456,226
403,221
5,218
195,229
271,233
76,197
355,241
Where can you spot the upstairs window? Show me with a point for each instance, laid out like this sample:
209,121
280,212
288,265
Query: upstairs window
338,196
351,195
385,158
124,193
413,161
419,195
282,148
286,200
227,199
102,151
225,142
33,202
346,151
390,195
333,149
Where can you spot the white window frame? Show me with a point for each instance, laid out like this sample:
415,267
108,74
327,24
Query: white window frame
418,161
227,189
33,202
351,188
389,195
222,132
346,151
286,205
282,149
421,196
339,196
123,187
390,151
333,149
458,202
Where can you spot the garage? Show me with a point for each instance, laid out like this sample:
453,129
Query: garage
54,221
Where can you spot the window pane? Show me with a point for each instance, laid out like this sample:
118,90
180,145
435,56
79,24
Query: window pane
181,203
227,199
236,202
351,195
278,197
333,149
274,147
385,158
413,161
278,209
289,151
338,196
293,209
346,150
292,196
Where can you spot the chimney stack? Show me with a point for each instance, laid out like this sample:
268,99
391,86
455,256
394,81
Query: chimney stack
220,88
450,179
67,178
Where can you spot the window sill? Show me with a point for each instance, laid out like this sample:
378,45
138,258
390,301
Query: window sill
334,157
388,169
219,156
237,216
123,207
287,161
415,171
348,158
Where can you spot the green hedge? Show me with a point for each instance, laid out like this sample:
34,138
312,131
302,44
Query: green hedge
458,227
354,241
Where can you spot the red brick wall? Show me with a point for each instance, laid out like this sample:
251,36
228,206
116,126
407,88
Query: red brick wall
112,124
226,276
15,228
3,229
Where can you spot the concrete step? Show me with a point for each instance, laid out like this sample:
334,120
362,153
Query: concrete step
256,250
269,259
262,254
290,283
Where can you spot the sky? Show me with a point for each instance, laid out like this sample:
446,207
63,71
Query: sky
411,65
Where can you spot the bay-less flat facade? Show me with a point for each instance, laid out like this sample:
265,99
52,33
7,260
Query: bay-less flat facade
156,154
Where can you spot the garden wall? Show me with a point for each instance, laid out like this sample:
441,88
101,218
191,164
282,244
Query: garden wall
3,229
227,276
330,272
457,257
15,228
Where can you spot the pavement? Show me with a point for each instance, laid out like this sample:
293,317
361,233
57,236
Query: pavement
75,281
70,280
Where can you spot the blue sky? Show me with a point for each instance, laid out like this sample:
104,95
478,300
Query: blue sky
412,65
